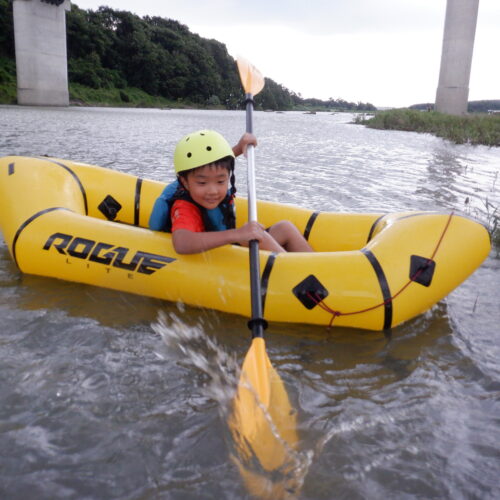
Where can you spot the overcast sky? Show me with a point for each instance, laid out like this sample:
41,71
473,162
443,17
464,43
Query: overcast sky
386,52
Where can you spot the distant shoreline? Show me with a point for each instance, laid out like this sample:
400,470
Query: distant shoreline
475,129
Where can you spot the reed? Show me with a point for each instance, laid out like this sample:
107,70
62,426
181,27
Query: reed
468,129
488,214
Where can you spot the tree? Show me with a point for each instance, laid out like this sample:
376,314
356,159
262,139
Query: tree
110,48
6,30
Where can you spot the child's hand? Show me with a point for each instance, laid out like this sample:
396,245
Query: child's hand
246,140
250,231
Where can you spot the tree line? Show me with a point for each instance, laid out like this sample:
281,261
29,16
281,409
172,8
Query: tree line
110,48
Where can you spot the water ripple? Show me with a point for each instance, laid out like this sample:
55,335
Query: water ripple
94,404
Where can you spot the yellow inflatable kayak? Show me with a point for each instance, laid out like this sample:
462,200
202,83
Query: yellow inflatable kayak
88,224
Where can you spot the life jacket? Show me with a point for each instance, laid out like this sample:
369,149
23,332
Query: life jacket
216,219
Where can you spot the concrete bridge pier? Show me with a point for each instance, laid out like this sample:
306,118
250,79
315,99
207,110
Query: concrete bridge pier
458,43
41,57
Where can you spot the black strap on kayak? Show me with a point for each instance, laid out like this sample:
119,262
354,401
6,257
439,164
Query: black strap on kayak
264,280
77,179
309,225
137,201
27,222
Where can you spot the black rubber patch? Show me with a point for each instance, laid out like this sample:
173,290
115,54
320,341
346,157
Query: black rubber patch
109,207
310,292
11,168
422,270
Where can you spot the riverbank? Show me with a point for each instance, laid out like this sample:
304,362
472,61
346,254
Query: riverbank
132,97
80,95
469,129
127,97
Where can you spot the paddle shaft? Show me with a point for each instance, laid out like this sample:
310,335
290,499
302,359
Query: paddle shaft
256,323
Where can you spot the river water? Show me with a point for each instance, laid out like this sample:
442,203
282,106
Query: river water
98,401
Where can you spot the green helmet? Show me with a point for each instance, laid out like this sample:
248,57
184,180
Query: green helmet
200,148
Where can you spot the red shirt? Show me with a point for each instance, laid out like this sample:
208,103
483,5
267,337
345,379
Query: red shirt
185,215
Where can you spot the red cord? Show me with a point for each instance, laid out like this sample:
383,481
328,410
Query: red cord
321,303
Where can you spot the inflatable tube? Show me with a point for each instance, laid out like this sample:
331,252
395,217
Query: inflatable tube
88,224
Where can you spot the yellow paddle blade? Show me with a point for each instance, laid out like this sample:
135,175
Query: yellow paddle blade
263,424
251,78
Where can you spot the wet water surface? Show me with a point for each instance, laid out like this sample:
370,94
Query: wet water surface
107,395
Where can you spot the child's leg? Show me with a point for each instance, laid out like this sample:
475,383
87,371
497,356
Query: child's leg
269,243
289,237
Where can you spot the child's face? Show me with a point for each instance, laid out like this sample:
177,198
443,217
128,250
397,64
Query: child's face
207,185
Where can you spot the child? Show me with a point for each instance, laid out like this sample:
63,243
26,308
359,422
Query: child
198,208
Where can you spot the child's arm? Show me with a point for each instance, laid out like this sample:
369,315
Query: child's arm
188,242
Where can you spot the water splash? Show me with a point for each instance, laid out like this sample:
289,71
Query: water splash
202,352
224,370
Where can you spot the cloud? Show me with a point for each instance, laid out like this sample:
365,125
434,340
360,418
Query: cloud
312,17
383,51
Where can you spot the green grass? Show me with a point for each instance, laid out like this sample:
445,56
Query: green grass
470,129
80,95
127,97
